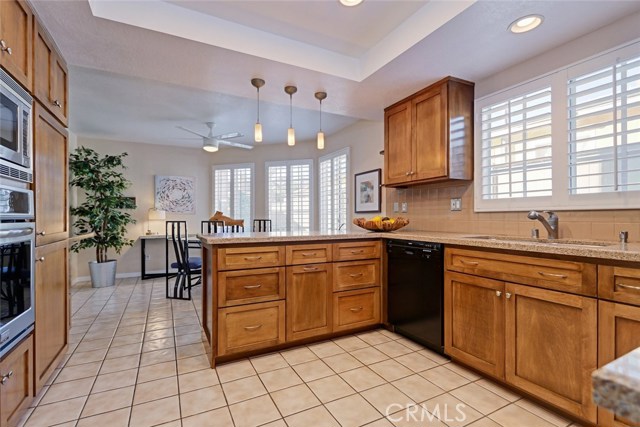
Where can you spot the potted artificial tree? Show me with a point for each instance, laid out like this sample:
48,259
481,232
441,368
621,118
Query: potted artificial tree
102,211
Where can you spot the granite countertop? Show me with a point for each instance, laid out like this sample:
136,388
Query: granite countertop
616,386
586,249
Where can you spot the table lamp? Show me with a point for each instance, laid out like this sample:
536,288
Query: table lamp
155,215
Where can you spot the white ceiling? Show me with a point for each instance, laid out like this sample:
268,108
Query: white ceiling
132,83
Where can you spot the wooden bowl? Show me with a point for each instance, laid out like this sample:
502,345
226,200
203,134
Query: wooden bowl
383,226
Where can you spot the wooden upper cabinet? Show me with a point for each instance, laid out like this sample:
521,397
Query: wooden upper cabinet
16,391
618,334
551,346
50,178
429,135
50,81
16,32
309,301
51,308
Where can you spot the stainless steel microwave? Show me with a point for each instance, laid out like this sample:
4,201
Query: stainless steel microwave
15,130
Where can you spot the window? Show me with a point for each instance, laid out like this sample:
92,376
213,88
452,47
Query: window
334,193
233,191
289,190
568,140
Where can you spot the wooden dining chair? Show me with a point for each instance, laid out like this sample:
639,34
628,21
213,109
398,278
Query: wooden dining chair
189,268
261,225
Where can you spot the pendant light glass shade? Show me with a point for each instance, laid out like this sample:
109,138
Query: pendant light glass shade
291,133
257,132
320,137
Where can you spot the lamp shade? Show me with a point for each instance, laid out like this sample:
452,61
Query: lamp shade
157,214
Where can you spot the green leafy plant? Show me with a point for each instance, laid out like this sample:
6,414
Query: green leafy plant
102,212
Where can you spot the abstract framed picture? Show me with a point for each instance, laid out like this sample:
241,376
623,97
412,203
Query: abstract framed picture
368,191
176,194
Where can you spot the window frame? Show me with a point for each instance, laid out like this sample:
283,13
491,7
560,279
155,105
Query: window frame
288,164
330,156
232,167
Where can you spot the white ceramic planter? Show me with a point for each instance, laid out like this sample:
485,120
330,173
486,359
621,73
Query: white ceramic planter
103,274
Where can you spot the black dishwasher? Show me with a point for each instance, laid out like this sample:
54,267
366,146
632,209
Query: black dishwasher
415,291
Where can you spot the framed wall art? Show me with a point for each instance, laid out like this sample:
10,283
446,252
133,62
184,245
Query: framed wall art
368,191
176,194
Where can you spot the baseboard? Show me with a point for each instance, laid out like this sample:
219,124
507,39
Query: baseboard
118,276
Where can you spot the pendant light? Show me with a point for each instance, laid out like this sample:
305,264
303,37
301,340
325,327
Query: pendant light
320,139
258,83
291,133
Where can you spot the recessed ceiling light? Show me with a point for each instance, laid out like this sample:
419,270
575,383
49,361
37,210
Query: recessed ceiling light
526,23
350,2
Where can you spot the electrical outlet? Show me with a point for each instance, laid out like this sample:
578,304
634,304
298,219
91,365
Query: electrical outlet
404,207
147,257
456,204
396,208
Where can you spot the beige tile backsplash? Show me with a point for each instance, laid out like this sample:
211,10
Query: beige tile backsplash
429,210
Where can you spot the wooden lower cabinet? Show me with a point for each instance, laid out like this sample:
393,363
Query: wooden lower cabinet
618,334
51,308
250,327
353,309
474,322
551,346
309,291
16,387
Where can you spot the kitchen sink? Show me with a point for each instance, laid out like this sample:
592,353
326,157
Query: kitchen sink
584,243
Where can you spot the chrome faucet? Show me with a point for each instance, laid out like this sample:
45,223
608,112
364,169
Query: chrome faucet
551,225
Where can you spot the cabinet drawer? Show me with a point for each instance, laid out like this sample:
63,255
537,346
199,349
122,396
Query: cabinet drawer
567,276
249,286
250,327
16,391
619,284
350,251
352,309
251,257
356,274
308,254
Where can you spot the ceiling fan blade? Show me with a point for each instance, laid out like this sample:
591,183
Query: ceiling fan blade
228,135
236,144
190,131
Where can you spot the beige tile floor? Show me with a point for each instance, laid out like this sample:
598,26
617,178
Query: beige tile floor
137,359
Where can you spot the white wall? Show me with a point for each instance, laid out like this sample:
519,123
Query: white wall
144,161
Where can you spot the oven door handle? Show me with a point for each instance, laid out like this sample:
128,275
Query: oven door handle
16,233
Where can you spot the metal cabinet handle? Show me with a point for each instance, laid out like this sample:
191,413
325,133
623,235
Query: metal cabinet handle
625,286
41,233
309,254
253,328
4,48
310,268
354,275
253,286
252,258
469,262
354,252
508,295
498,293
56,103
41,259
558,276
6,377
355,309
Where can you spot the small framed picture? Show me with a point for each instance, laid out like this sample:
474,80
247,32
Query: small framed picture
368,194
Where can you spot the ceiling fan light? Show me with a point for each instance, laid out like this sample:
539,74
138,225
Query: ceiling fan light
291,137
210,145
258,132
320,140
350,3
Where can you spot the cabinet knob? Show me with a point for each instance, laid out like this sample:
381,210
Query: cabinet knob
56,103
41,233
6,377
407,174
41,259
4,48
508,295
498,293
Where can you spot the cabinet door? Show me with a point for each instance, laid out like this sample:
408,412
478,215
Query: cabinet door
397,144
551,342
430,151
51,153
51,308
16,390
59,91
618,334
474,322
16,30
309,298
43,54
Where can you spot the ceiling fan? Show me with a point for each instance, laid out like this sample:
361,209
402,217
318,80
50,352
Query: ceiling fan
212,142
